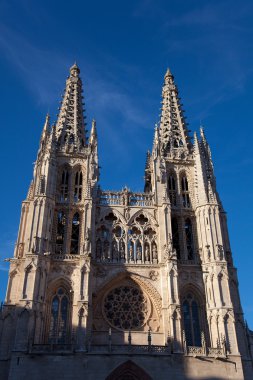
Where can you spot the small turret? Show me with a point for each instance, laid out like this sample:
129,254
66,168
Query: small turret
148,185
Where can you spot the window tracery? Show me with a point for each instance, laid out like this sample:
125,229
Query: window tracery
60,231
78,186
191,317
64,190
59,320
172,190
118,243
189,239
75,233
126,307
175,236
185,192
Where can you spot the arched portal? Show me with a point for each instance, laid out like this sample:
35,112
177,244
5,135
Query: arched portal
128,371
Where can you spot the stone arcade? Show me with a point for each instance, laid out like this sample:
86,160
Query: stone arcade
123,285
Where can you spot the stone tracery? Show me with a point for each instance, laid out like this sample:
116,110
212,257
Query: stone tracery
126,307
133,243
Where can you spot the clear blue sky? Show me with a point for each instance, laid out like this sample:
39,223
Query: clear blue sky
123,49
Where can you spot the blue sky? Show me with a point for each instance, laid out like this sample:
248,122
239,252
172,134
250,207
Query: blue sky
123,50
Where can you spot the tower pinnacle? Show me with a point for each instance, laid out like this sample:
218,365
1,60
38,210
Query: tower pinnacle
173,131
70,126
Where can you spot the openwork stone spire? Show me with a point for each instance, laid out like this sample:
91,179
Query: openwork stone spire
70,126
173,130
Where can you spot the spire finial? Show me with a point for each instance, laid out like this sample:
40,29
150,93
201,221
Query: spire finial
74,70
168,73
93,132
46,127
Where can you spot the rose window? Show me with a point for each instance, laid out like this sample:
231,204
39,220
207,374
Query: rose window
126,307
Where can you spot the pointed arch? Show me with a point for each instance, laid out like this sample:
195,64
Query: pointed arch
75,232
146,214
128,370
118,214
172,187
64,180
59,312
194,318
78,185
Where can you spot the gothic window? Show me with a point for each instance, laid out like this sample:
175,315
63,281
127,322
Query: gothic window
42,184
59,317
191,321
185,192
172,190
64,186
115,244
75,233
71,139
78,186
175,236
126,307
189,238
60,233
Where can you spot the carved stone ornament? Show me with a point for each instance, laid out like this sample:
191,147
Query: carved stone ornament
153,275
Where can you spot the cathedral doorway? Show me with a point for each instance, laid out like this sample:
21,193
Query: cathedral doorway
128,371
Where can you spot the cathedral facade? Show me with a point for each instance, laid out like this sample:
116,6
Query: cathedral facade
123,285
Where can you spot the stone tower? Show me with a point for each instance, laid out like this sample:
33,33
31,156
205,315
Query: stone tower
116,285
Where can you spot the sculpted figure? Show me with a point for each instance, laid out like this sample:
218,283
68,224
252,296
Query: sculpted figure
122,252
154,252
147,255
139,253
131,252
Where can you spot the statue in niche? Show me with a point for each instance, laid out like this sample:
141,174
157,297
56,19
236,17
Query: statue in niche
147,254
127,214
98,250
106,250
154,252
115,255
122,251
131,252
138,253
20,250
87,240
220,251
208,252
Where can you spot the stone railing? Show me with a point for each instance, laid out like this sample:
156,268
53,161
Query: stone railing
125,198
61,257
130,348
212,352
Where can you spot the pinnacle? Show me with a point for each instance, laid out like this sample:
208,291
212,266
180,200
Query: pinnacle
74,69
70,126
168,73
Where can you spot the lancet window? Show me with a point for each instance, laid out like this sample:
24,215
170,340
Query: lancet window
136,243
189,239
60,231
75,233
175,236
64,191
185,192
191,318
78,186
172,190
59,318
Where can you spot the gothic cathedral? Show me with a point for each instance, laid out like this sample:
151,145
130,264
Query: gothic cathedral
122,285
